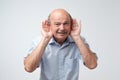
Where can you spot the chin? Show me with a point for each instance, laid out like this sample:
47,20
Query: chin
62,38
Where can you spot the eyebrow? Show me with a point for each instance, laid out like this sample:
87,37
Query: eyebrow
63,22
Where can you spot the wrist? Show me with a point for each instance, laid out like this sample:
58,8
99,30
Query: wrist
45,40
76,38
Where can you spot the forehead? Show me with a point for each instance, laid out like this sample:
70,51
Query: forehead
61,16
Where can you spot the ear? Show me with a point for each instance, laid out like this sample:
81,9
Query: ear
72,23
48,22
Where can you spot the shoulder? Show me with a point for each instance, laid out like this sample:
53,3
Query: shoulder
71,40
36,40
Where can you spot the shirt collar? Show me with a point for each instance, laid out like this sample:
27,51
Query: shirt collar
69,40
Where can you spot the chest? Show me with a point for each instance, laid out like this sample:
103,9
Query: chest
69,51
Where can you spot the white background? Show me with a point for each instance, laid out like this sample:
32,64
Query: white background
20,22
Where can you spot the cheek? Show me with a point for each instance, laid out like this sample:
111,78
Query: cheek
54,30
69,30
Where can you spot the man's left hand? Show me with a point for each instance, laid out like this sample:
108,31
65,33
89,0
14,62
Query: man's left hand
76,30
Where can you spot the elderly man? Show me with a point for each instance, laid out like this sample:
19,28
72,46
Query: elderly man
60,48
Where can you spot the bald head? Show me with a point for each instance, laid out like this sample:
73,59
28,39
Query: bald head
59,12
60,24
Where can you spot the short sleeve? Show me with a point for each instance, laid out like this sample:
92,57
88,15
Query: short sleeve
33,45
85,42
80,56
88,47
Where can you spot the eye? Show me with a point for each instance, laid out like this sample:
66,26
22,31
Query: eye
66,23
57,24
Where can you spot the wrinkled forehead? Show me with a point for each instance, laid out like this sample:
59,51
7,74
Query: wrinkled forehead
59,15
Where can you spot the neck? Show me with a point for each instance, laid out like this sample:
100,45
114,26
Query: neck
60,41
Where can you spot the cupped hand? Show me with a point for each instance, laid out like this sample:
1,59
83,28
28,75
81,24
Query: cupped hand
76,29
45,29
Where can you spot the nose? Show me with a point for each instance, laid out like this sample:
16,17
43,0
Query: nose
62,27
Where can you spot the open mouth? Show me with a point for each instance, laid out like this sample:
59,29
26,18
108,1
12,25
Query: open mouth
62,32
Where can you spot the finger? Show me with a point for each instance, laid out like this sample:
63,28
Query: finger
45,24
73,23
76,24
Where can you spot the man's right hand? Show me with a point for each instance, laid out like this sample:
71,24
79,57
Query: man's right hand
45,29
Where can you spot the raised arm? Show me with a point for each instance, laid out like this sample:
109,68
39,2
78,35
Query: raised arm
32,61
90,59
